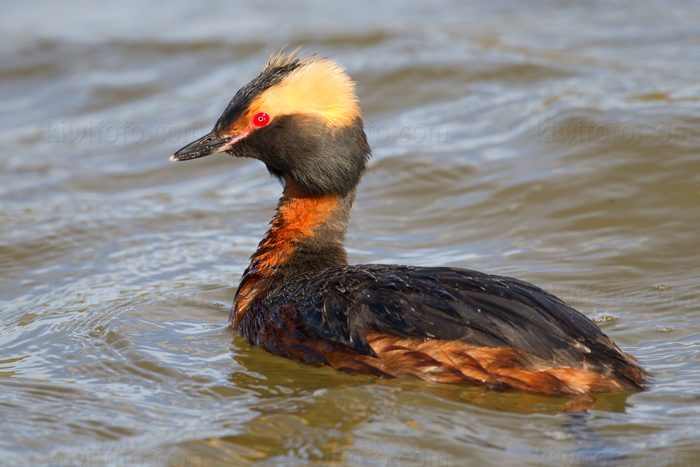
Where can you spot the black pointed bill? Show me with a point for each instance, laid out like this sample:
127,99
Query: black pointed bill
204,146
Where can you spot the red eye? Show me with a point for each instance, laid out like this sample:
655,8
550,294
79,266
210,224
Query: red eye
261,119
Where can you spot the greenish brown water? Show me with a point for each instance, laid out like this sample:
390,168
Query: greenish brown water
556,142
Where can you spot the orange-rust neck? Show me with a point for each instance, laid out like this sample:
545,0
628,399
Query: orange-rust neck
306,233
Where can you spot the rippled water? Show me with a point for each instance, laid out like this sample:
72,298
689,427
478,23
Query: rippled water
556,142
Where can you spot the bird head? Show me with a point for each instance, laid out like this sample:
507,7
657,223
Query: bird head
300,117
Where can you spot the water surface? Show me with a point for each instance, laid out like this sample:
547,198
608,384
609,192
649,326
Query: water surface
556,142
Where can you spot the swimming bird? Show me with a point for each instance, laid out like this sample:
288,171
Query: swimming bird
299,298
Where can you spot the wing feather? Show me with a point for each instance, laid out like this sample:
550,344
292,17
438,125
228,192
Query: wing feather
342,304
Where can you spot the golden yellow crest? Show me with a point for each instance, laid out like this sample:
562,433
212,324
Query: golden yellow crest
318,86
